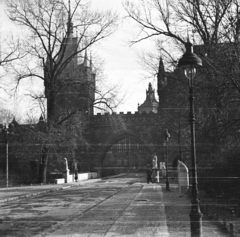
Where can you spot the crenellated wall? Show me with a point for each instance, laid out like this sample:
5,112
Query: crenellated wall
129,118
107,129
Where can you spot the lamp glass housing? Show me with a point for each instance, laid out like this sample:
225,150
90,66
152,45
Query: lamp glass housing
190,72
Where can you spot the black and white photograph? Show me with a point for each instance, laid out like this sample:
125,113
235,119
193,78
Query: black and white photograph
119,118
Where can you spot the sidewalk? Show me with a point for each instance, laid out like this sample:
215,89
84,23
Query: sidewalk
178,220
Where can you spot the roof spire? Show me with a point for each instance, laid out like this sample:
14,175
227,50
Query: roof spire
150,104
69,23
161,69
161,77
91,60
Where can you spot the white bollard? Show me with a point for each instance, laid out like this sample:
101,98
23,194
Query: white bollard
157,177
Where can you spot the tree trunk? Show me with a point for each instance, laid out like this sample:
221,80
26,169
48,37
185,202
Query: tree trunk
42,178
51,106
40,172
45,149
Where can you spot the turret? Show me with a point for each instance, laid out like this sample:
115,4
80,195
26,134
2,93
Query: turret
150,104
76,89
69,23
161,78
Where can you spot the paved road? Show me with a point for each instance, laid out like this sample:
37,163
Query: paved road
113,207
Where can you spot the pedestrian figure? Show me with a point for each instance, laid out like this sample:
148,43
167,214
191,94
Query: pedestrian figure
163,170
75,171
149,175
154,168
76,175
153,176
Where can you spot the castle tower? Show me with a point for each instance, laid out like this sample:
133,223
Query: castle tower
76,80
150,104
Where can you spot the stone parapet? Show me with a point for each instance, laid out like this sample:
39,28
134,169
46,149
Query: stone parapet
132,118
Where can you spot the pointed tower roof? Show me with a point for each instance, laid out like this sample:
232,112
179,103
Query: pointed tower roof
41,118
69,23
150,104
161,77
91,65
161,70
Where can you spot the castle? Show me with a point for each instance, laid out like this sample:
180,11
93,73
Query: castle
118,142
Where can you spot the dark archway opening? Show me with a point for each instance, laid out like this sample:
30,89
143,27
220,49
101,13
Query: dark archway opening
126,155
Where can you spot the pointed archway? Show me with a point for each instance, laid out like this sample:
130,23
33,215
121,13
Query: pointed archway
126,153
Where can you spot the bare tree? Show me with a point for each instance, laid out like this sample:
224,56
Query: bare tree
214,27
52,48
176,19
48,38
9,51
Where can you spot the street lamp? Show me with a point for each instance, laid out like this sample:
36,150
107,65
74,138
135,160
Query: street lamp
166,138
189,63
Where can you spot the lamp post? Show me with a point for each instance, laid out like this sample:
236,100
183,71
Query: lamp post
6,140
166,138
6,131
189,62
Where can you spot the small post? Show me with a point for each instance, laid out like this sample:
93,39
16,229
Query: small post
231,229
7,159
167,136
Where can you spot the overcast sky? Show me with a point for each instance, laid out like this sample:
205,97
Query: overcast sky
121,61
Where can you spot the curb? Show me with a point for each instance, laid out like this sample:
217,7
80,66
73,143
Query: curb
34,194
43,192
57,189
